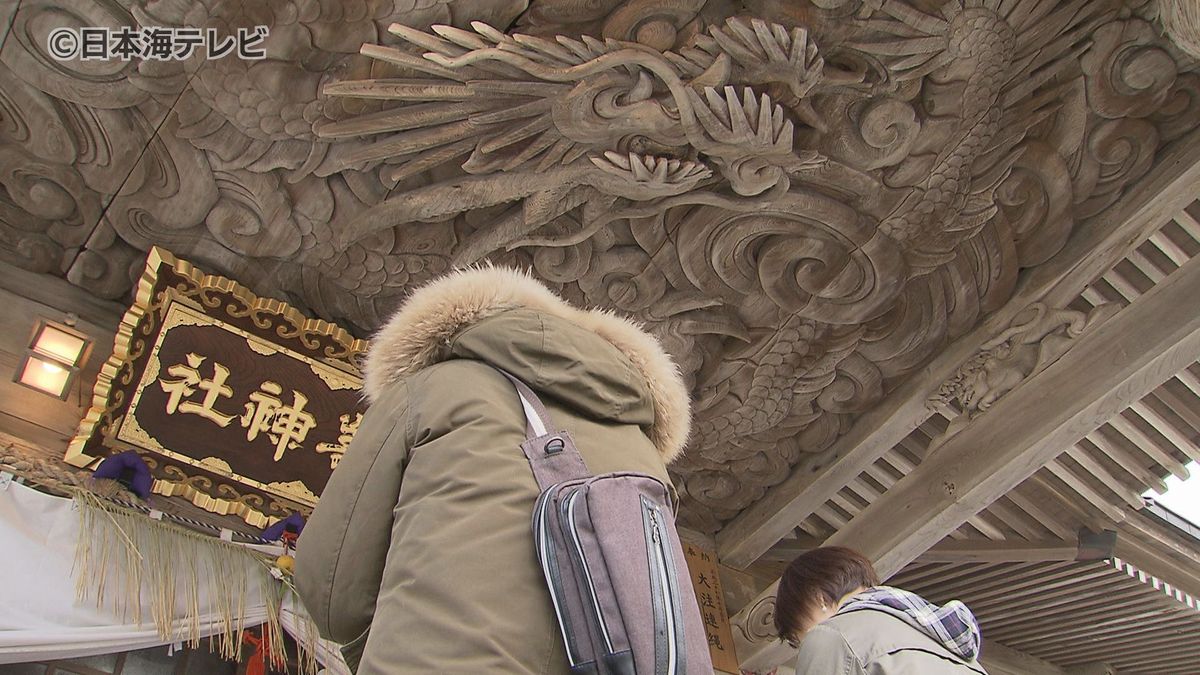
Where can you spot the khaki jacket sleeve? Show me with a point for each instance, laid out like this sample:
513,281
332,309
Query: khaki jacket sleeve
341,553
825,651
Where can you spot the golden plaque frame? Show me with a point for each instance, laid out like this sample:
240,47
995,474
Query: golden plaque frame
174,295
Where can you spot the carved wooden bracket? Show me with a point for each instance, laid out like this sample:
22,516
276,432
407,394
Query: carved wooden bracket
1036,338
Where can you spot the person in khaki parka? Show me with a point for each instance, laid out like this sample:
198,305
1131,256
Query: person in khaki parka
419,556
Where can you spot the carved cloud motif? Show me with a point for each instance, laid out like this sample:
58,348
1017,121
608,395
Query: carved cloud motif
803,200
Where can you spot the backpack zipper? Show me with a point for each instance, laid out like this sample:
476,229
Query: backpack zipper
547,558
568,517
664,596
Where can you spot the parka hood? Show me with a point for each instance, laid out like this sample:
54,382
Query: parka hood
432,326
951,625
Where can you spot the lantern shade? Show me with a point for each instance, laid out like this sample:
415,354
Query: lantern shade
66,347
46,375
53,359
61,343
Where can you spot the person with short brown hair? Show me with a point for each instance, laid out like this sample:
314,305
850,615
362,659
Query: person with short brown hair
831,605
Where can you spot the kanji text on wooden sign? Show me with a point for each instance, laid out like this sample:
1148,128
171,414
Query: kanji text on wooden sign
238,403
702,565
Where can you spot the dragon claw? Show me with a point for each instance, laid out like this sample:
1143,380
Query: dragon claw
768,53
747,120
651,170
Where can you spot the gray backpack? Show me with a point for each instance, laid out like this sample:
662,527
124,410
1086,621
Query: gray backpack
612,560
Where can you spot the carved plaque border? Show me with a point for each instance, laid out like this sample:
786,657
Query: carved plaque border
173,293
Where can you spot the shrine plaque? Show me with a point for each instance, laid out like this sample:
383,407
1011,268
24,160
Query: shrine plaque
238,403
702,566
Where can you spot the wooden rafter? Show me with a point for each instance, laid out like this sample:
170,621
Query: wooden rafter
1109,369
1088,546
1119,363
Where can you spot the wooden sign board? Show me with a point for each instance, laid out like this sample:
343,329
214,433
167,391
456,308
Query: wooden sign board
240,404
702,565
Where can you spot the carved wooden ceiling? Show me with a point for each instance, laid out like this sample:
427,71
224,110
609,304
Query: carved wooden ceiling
803,199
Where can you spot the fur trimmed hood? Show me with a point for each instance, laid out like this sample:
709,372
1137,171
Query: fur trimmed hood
420,332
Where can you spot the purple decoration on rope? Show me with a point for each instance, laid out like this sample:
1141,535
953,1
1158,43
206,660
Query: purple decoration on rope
130,469
294,523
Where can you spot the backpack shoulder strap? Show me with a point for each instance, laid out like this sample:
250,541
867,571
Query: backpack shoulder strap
552,454
537,418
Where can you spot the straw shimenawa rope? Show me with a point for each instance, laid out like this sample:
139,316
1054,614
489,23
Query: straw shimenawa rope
123,555
56,478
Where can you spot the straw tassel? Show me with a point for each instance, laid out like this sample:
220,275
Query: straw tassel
122,554
124,557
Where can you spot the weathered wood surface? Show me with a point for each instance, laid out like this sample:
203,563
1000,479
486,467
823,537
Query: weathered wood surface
1120,362
1160,551
1001,660
1078,615
46,422
1085,547
1107,370
1089,253
805,201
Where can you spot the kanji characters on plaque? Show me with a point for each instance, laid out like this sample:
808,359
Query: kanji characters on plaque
195,389
188,379
702,565
242,405
336,450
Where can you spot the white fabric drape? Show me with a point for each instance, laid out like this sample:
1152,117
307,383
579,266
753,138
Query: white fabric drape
41,620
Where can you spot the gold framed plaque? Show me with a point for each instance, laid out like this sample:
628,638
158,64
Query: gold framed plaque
240,404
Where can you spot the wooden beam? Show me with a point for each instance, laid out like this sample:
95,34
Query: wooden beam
1001,660
1140,439
1005,512
976,550
1169,658
1107,370
59,294
1092,669
1181,407
1032,500
981,581
1094,602
1111,480
989,551
1088,547
1090,252
1164,193
1124,458
1166,429
1112,634
1161,550
1063,504
1189,380
1031,581
1085,486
